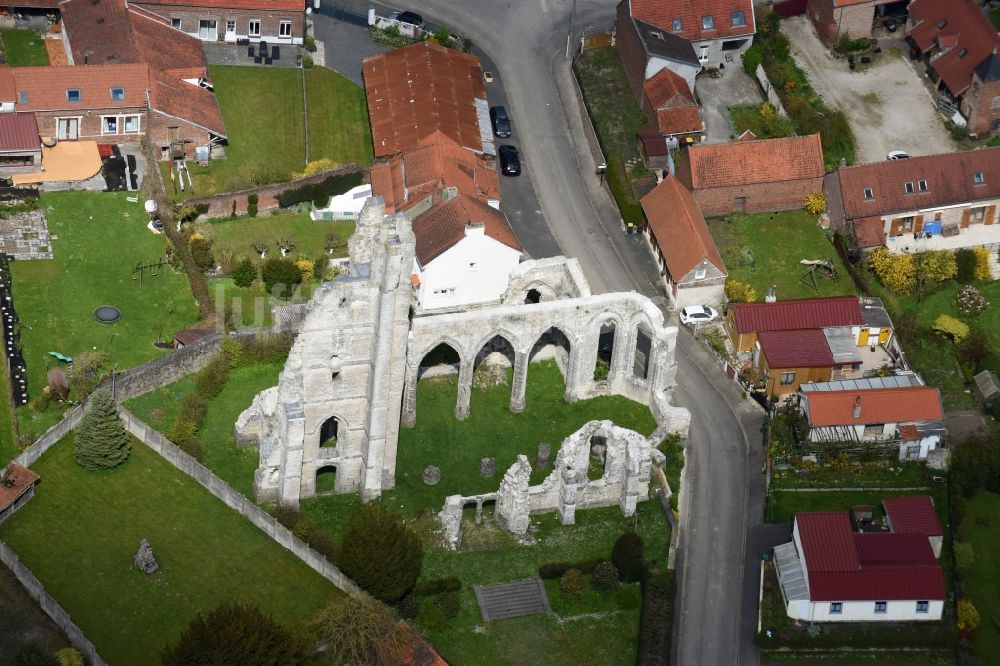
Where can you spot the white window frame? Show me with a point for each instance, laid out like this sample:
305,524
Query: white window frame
923,607
708,22
677,25
117,99
230,27
250,30
699,273
105,122
283,27
214,23
703,52
741,16
177,24
138,124
787,378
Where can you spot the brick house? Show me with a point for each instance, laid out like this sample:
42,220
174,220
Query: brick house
647,49
276,21
753,176
960,48
718,30
846,18
692,269
671,107
167,95
934,202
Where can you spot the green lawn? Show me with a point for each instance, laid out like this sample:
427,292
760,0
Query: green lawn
877,474
263,112
492,430
782,506
22,621
778,241
101,237
995,17
24,48
943,302
981,527
234,465
80,532
237,236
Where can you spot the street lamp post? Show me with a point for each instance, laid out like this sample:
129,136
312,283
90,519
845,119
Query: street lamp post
569,35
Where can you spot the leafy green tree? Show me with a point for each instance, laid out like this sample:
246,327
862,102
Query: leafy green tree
380,553
244,274
362,632
281,276
101,440
235,634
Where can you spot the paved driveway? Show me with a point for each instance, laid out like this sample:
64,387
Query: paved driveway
887,104
733,88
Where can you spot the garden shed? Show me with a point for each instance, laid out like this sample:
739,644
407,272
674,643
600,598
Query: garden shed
986,382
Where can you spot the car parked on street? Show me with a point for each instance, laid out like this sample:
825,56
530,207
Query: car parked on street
698,314
510,161
408,17
500,121
897,155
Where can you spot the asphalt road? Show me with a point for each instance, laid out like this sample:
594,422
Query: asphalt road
526,41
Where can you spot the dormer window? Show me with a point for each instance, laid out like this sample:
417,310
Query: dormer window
962,53
908,187
978,178
737,18
922,185
869,194
118,94
942,23
656,35
73,95
707,23
22,97
676,26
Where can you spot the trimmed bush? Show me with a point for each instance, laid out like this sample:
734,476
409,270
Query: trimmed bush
201,252
437,586
965,260
252,200
235,634
281,276
605,578
952,328
450,603
210,379
628,557
245,274
380,553
740,292
573,583
320,192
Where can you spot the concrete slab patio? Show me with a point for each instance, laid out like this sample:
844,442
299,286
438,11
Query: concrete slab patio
887,104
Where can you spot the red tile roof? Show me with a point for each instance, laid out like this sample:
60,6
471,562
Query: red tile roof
8,93
755,162
444,225
417,90
274,5
965,28
869,232
913,514
18,132
904,404
46,86
806,348
950,180
679,228
188,102
671,100
22,477
797,314
661,13
845,566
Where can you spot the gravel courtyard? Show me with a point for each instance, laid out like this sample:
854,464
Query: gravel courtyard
887,104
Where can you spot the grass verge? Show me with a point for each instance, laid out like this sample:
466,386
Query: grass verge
981,527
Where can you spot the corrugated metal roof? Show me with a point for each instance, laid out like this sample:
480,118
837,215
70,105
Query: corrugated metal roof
796,349
842,345
826,541
19,133
797,314
913,514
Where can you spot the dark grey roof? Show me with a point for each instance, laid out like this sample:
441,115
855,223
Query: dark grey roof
664,44
873,313
989,70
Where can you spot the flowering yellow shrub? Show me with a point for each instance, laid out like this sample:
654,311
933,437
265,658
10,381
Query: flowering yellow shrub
816,203
896,272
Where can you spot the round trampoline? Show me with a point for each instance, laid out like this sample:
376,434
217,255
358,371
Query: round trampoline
107,314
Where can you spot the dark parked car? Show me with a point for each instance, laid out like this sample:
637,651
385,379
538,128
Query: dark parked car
501,123
408,17
510,162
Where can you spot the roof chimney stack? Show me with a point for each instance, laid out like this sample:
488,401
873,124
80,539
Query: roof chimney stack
772,294
857,407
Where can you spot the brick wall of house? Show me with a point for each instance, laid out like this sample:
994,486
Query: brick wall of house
160,133
90,123
763,198
896,226
269,20
820,12
631,50
981,105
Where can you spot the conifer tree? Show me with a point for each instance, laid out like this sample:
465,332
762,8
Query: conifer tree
101,440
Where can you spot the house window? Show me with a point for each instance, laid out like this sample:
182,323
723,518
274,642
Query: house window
175,23
836,608
131,124
922,185
737,18
676,25
285,29
703,56
73,95
109,125
905,224
908,187
22,97
699,274
254,28
978,178
923,606
962,53
231,27
880,607
707,23
976,215
787,378
874,430
118,94
869,194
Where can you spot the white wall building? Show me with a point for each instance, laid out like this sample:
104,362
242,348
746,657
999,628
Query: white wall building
344,206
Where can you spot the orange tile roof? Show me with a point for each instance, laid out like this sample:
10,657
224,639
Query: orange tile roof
869,232
22,477
965,28
417,90
670,98
191,103
884,405
679,228
46,86
8,92
443,225
755,162
661,13
277,5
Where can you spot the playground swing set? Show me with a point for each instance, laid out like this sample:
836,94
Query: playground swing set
153,267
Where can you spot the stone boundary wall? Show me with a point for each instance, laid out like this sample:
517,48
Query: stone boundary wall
30,455
769,91
221,205
239,503
50,606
